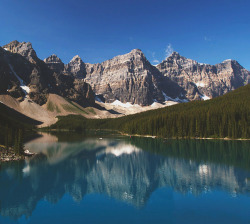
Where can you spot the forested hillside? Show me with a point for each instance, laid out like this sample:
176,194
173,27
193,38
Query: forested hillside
13,126
225,116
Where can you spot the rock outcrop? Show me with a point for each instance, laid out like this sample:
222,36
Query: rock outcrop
23,74
27,71
54,63
203,80
129,78
69,80
25,49
76,67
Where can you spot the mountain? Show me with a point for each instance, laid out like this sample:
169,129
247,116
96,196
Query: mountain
24,74
202,80
126,78
123,85
69,82
77,67
130,78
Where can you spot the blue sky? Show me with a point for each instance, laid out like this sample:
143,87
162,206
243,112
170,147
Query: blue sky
207,31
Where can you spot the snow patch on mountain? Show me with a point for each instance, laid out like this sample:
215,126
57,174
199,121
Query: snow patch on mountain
125,105
177,99
200,84
25,88
204,97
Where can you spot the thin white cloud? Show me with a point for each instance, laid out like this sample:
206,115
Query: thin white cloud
207,38
155,61
169,50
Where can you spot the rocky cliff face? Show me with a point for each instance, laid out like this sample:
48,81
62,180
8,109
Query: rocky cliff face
69,80
203,80
54,63
76,67
25,75
25,49
129,78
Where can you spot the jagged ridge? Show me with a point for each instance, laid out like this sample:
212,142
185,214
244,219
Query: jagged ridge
127,78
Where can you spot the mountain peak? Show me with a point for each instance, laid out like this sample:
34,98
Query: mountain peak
23,48
13,43
76,66
230,61
136,51
53,59
76,58
174,55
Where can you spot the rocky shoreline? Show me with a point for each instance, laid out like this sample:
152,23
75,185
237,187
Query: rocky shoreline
194,138
11,155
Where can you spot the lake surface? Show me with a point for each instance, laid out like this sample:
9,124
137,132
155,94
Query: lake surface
115,179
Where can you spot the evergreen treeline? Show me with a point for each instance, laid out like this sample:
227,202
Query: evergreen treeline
13,126
224,116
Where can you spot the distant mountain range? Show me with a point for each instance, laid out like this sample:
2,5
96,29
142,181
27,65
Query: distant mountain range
131,78
128,78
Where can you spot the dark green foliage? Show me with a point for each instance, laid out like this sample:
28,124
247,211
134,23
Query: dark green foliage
18,144
13,126
225,116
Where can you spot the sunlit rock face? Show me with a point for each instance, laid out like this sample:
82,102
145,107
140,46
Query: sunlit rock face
204,81
54,63
119,169
69,80
130,78
24,48
23,74
124,78
77,67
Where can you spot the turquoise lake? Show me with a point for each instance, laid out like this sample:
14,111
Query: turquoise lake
108,178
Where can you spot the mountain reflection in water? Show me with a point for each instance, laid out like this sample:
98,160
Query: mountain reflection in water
126,169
